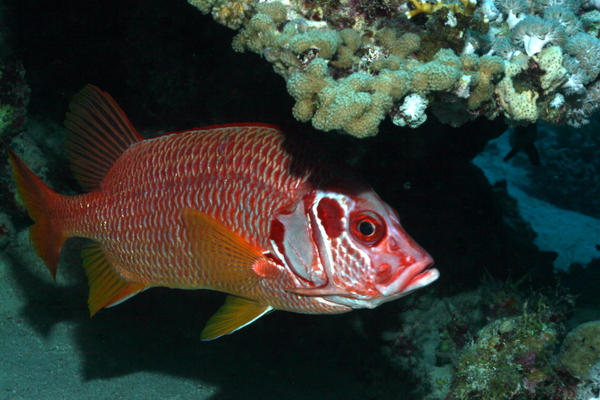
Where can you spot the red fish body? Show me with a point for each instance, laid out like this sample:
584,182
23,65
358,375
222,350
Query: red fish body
247,210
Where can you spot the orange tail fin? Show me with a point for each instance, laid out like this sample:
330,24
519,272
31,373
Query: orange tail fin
36,197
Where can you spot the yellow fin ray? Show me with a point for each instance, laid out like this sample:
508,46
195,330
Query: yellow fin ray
107,286
227,257
236,313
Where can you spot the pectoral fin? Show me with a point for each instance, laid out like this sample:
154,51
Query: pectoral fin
236,313
228,258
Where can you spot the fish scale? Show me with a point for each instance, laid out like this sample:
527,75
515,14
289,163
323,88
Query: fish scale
120,194
248,210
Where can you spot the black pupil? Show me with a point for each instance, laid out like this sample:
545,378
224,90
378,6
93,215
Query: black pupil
366,228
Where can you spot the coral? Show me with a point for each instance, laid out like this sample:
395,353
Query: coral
356,105
325,42
533,33
231,13
513,9
517,105
284,61
591,22
261,33
412,111
423,7
493,343
466,7
586,53
541,5
439,74
550,60
566,17
343,102
350,106
275,9
504,48
351,43
403,46
579,112
581,349
203,5
304,87
509,359
351,38
489,70
522,60
589,388
394,84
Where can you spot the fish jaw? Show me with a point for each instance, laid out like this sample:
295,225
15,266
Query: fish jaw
409,279
400,264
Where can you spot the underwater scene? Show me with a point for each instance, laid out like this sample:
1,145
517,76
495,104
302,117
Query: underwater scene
300,199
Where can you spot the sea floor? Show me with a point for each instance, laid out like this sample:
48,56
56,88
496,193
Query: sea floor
149,347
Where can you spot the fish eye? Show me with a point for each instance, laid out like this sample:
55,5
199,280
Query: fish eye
367,227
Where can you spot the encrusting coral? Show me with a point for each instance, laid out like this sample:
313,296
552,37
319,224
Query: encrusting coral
350,63
580,350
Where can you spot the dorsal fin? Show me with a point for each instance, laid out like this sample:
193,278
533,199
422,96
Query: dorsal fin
99,133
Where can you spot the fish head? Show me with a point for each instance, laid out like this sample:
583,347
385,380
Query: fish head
361,256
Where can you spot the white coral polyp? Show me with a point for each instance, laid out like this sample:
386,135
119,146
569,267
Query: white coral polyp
534,44
412,111
534,33
512,19
574,85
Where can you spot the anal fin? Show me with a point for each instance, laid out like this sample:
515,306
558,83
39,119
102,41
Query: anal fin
107,286
236,313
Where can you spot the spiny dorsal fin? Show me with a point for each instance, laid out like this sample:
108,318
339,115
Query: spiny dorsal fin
235,314
107,286
227,257
99,133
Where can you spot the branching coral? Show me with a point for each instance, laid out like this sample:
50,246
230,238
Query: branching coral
439,74
522,60
232,13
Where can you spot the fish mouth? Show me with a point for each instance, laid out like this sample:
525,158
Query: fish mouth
411,278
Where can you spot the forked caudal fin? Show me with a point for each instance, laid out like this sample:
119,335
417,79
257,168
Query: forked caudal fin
99,133
36,197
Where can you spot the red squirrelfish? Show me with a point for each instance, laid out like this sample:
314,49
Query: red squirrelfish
248,210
